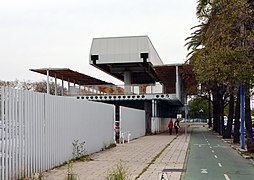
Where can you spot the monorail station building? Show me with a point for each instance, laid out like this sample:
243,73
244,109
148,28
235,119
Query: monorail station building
148,84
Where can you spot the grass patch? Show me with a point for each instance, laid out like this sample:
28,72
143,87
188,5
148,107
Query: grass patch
111,146
70,174
118,173
82,158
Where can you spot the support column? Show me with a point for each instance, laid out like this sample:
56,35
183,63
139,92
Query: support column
69,87
153,106
148,110
127,82
79,88
178,90
62,86
55,85
156,108
154,119
156,116
48,91
186,109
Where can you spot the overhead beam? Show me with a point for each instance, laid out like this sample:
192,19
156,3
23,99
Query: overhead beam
123,69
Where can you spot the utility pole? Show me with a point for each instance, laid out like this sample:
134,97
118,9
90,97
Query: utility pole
186,109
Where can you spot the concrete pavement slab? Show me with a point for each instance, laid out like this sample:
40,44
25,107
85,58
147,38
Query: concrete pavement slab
135,156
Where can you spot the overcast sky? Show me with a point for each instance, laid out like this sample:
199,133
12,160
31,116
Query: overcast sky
58,33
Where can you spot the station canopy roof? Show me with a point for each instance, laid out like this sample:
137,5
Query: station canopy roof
167,76
70,76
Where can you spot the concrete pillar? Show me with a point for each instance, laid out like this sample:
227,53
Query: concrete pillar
69,87
156,115
62,86
127,82
178,88
79,88
148,110
55,85
153,108
163,88
154,119
48,91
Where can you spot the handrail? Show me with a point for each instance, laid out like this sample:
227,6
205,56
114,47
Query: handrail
116,89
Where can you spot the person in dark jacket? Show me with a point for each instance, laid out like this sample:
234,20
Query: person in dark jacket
176,125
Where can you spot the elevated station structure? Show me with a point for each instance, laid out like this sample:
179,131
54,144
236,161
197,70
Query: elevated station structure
148,84
129,59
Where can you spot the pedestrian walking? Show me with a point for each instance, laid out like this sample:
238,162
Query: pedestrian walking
176,125
170,127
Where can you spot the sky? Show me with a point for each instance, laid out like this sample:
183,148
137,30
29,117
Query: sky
58,33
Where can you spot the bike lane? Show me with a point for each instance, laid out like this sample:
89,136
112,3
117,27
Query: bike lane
211,158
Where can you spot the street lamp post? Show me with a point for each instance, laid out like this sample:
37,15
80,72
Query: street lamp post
186,109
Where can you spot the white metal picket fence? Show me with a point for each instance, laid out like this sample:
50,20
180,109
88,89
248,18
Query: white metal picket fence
37,130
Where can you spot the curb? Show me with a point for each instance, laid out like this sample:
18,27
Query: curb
243,152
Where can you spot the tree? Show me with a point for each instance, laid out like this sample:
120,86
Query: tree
26,85
12,84
39,86
223,47
198,107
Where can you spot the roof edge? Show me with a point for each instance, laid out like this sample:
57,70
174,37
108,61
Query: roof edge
122,37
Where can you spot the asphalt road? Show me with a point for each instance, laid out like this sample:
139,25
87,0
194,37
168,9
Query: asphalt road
211,158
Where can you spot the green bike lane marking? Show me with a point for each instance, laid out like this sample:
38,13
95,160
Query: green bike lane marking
199,156
211,158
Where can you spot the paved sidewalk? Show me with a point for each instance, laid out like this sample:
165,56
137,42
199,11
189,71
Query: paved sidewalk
170,164
135,156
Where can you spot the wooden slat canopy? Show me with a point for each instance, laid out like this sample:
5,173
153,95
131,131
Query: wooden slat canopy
70,76
167,76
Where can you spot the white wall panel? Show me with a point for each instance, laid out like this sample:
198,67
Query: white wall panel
37,130
133,121
124,50
160,124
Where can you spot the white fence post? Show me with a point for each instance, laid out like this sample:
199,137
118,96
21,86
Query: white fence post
129,136
122,138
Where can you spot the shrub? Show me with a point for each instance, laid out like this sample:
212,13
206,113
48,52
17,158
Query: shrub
78,149
118,173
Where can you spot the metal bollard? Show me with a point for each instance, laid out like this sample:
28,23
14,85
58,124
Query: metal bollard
122,138
129,135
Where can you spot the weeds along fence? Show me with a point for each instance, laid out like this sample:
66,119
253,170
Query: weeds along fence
37,130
